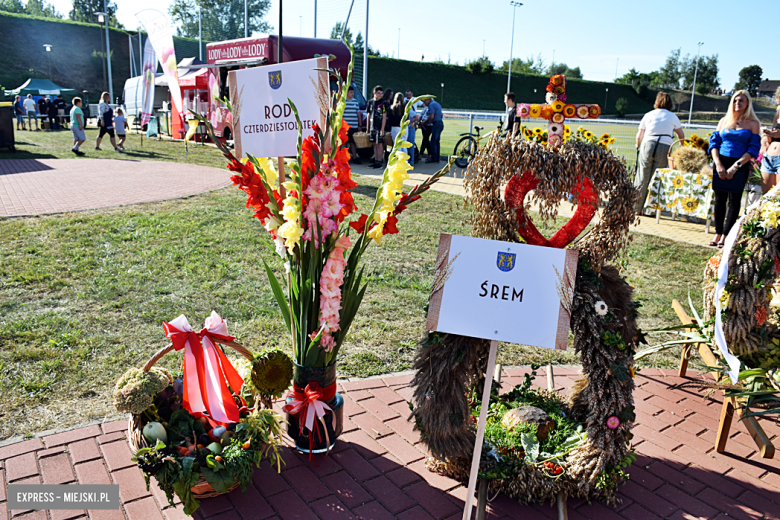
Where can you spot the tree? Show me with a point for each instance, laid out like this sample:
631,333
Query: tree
358,48
12,6
37,8
562,68
41,9
83,11
220,19
621,105
749,79
707,74
669,75
335,33
530,65
481,65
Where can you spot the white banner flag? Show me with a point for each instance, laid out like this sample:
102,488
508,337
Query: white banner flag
148,74
159,28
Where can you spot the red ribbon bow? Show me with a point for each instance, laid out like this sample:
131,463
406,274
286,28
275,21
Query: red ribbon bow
309,404
205,368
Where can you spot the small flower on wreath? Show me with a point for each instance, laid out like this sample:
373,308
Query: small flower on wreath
558,117
534,110
557,80
601,308
550,98
523,110
725,299
555,140
762,313
613,422
563,97
569,110
583,111
557,106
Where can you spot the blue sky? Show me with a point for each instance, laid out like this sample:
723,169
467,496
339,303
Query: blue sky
596,36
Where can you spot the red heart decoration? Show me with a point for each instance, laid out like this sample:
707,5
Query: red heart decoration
587,205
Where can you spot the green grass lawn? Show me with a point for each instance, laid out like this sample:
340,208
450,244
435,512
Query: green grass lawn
43,145
83,295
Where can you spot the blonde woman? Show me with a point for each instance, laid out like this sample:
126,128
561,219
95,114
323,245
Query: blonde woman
770,164
732,145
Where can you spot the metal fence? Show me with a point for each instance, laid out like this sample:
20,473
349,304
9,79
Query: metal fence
624,131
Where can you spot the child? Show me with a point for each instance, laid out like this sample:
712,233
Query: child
120,123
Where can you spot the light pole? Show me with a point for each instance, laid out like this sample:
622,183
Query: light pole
246,19
315,18
48,53
605,97
102,43
442,93
103,17
365,57
693,91
511,45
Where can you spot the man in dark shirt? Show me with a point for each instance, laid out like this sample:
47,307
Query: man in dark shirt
61,105
43,109
53,120
511,112
435,118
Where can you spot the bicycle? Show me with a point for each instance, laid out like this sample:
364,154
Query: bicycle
466,148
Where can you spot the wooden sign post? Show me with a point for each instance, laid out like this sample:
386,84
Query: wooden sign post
501,291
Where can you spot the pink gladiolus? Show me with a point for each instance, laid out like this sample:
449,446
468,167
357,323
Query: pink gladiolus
330,292
322,206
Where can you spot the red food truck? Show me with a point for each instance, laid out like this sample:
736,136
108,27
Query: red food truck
205,82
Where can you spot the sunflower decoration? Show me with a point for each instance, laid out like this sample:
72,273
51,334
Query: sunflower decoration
272,371
588,134
566,131
690,204
678,181
604,137
538,131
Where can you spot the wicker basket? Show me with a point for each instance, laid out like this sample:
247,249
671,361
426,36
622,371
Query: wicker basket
669,157
136,423
361,140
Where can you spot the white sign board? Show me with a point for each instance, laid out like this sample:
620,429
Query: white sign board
263,122
503,291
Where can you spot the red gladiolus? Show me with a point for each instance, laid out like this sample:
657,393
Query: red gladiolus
343,131
390,228
761,315
360,224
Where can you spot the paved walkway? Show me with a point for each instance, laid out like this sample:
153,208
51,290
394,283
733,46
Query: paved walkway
38,186
377,469
679,229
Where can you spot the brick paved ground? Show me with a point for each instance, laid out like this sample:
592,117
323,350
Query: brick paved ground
377,470
38,186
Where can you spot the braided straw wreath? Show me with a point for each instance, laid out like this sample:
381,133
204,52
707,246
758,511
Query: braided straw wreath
449,366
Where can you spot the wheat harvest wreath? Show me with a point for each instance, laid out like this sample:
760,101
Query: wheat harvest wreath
539,444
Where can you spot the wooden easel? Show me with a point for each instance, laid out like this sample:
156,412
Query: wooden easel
730,404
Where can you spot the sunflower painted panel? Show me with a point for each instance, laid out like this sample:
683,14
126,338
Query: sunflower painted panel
680,192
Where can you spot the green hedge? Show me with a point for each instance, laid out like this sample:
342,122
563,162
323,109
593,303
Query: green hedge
72,64
463,90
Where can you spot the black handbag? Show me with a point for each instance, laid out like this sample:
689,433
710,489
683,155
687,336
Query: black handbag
734,185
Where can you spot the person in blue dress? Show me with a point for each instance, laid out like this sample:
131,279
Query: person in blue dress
733,144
